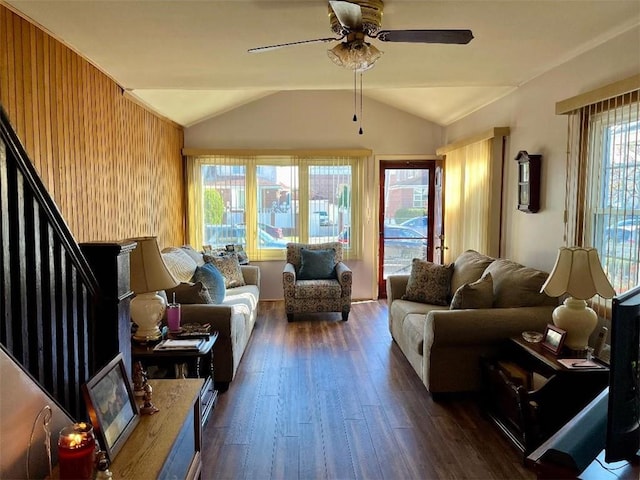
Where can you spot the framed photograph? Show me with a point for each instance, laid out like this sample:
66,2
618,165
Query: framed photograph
111,405
230,248
553,339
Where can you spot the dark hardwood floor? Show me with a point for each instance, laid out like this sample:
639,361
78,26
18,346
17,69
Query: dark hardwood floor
320,398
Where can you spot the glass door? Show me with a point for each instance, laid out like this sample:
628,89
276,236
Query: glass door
407,210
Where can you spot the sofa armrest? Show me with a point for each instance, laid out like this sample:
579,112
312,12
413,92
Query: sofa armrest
396,287
218,316
345,275
482,326
251,274
289,274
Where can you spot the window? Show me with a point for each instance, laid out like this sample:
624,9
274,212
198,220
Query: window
603,185
420,197
613,200
264,201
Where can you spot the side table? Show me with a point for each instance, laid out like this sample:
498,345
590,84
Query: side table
185,363
530,395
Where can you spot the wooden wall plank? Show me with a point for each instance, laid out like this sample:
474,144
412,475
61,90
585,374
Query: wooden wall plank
113,168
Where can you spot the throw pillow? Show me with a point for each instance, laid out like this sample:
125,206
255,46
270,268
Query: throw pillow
317,264
189,293
179,263
230,269
211,277
429,282
469,267
195,256
515,285
478,294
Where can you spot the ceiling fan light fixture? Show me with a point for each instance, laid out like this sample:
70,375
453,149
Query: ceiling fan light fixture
355,55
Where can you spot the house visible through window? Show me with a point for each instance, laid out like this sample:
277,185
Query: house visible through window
262,202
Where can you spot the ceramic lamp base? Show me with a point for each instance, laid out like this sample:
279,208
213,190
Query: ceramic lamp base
577,320
147,310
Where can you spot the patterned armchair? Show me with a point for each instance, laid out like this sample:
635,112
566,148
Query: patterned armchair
329,291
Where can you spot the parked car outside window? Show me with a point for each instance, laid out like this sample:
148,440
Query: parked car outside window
624,231
419,224
221,235
403,242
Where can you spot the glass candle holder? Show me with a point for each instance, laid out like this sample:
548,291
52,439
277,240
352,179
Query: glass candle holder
173,317
76,452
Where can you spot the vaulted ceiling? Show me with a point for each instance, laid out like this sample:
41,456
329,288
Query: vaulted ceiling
188,60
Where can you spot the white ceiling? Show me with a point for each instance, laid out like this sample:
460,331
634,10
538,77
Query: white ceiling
188,60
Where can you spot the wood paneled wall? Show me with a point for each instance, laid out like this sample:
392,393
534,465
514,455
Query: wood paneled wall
113,168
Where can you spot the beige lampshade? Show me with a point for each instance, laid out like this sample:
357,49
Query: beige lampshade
148,271
579,273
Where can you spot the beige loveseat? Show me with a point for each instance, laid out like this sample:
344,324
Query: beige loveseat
233,318
445,345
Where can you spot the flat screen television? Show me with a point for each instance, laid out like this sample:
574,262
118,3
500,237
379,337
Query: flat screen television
623,417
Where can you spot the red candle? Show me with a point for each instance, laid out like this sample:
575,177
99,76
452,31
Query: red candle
76,452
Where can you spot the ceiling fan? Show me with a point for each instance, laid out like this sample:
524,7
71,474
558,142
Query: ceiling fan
356,20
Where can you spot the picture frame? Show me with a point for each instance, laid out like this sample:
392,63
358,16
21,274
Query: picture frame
111,405
553,339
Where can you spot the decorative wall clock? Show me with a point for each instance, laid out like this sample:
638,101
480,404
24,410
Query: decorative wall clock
528,181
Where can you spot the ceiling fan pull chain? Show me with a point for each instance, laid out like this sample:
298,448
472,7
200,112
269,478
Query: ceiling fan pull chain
360,132
355,97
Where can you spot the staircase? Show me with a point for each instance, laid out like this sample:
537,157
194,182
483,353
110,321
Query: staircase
47,290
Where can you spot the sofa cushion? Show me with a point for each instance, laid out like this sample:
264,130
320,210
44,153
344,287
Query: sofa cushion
413,331
399,309
189,293
211,277
179,263
429,282
195,255
229,266
478,294
318,289
317,264
468,268
515,285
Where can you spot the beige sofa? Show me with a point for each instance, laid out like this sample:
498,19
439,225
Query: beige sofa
445,345
234,318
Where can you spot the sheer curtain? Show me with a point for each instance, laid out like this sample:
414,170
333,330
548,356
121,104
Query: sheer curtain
473,186
264,200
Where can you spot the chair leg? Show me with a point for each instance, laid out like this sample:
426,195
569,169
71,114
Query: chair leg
345,316
289,317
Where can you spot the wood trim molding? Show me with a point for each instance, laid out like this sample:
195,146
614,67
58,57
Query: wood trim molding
598,95
492,133
192,152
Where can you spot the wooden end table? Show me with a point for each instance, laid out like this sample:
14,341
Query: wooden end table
530,395
185,364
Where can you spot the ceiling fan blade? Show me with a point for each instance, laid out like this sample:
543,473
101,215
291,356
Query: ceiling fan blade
425,36
348,14
301,42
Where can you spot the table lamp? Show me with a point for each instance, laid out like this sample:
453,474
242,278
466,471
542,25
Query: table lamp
148,275
577,272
